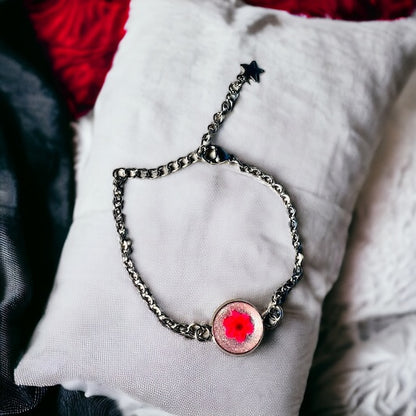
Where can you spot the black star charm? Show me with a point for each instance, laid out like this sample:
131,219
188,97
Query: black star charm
252,71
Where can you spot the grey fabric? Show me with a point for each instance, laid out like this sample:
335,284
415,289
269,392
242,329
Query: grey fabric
36,203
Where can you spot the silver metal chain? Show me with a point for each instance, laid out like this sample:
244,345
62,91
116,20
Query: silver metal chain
226,107
213,155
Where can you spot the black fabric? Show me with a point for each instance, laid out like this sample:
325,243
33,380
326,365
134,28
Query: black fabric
36,202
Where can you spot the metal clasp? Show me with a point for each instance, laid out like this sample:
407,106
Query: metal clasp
272,316
215,155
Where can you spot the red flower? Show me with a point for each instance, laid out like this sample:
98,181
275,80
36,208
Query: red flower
238,326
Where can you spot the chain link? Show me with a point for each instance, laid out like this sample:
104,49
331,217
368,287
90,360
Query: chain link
213,155
226,107
274,312
201,332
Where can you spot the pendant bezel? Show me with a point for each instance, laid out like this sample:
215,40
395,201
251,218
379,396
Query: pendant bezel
232,346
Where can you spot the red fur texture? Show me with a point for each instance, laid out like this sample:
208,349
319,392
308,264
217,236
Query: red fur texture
81,36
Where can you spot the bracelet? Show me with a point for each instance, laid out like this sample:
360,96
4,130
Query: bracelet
237,327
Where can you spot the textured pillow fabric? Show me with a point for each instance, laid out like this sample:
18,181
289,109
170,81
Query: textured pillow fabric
368,343
209,234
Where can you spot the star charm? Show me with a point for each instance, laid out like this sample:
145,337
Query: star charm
252,71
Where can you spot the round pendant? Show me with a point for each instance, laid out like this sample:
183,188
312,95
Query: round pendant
237,327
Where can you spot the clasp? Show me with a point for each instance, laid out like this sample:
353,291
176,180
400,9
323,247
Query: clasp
215,155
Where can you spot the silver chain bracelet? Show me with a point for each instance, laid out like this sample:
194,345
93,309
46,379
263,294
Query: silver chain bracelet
237,327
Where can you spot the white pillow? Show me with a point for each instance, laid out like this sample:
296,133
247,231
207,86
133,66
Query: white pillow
209,234
365,363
